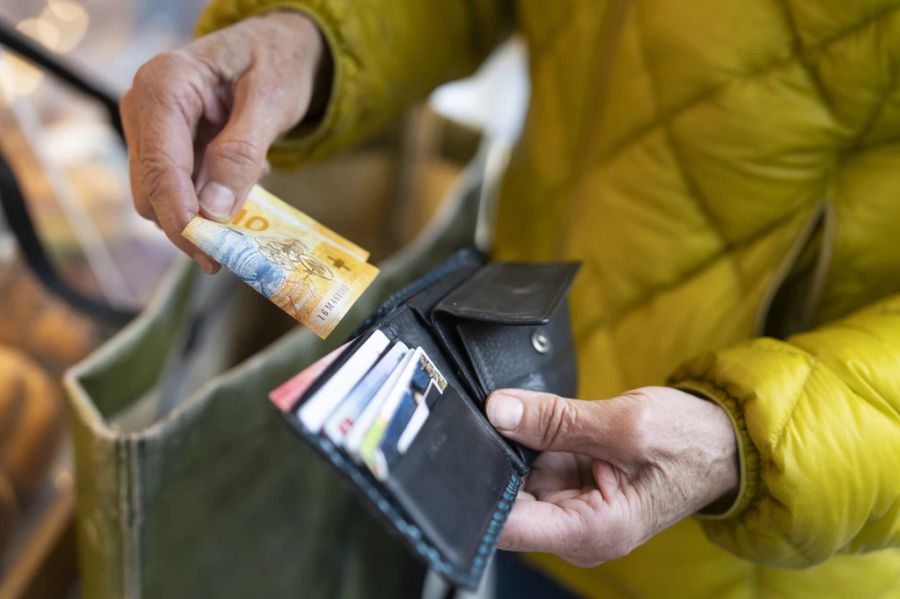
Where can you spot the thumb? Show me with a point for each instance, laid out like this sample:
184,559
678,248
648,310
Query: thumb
235,159
547,422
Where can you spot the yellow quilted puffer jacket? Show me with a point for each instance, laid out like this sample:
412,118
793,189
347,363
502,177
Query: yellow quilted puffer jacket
725,170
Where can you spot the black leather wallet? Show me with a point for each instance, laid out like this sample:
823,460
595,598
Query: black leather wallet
485,326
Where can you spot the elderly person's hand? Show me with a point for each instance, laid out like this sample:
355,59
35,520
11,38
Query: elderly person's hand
615,472
200,120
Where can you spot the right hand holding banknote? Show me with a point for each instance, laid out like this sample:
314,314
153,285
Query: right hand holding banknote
199,120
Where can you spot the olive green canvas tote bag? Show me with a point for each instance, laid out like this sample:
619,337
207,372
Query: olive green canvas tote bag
189,482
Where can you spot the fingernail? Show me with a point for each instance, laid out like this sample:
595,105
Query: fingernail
217,201
505,412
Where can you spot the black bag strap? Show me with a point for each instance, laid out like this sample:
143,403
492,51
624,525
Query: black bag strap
39,56
14,204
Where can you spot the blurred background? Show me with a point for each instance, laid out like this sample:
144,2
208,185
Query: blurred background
70,166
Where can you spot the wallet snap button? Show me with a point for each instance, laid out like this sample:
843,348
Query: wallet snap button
540,343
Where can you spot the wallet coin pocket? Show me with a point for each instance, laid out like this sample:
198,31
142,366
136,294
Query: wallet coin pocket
508,327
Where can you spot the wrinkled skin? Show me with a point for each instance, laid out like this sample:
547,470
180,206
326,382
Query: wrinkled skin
613,473
199,120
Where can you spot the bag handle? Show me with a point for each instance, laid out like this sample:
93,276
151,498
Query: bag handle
14,204
36,54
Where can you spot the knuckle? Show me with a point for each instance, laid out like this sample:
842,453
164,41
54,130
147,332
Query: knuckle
163,80
625,542
583,550
636,419
238,153
620,549
159,69
266,91
616,547
147,76
156,172
588,547
177,240
153,172
144,210
629,533
510,539
638,415
558,419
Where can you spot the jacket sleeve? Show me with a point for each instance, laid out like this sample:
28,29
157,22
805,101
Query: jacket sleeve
818,421
386,53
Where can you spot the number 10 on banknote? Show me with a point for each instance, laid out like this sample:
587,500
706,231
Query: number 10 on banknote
307,270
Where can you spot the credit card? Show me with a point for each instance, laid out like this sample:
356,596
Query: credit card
343,416
377,459
354,437
317,408
285,395
426,387
423,408
419,386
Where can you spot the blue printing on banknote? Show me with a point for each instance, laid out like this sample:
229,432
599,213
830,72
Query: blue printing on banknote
240,254
411,531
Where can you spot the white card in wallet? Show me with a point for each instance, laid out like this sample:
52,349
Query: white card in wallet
316,409
345,414
353,439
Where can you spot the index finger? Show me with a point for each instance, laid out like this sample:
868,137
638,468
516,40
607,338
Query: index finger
163,164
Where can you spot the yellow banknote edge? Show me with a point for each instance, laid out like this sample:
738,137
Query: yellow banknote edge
308,274
263,209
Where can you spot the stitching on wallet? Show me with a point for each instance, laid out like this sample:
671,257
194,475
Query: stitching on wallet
495,525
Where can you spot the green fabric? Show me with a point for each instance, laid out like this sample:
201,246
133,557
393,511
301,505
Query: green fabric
218,498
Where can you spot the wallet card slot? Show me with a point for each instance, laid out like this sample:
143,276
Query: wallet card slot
404,325
453,478
383,505
352,345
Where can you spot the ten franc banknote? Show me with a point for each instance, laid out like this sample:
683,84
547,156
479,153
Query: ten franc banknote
307,270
